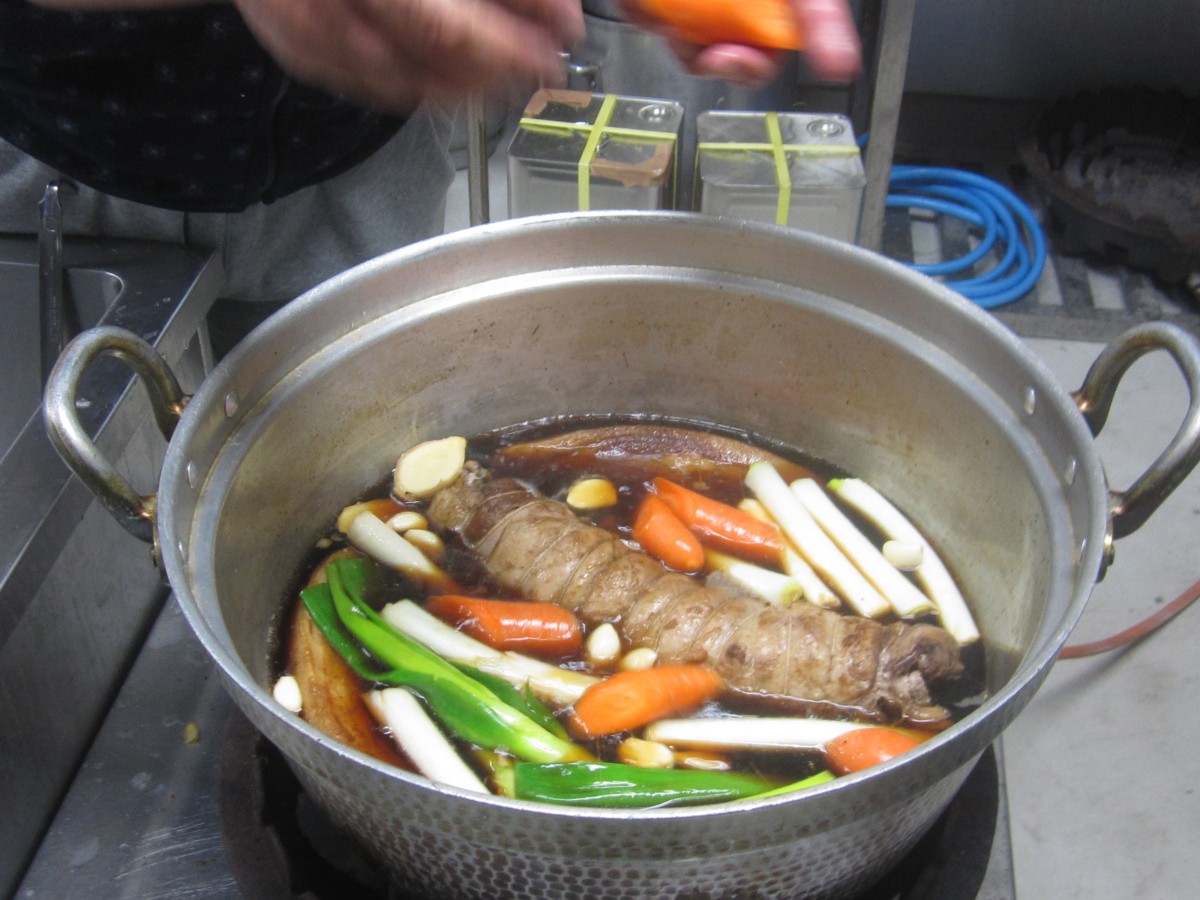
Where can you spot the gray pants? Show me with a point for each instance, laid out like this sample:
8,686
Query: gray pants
271,253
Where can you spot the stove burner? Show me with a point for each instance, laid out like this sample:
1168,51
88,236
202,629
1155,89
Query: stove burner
284,848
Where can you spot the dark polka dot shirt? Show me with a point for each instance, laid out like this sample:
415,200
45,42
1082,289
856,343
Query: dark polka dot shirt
178,108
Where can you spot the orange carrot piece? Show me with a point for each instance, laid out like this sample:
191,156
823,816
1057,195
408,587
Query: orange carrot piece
759,23
662,534
865,747
722,526
526,625
637,697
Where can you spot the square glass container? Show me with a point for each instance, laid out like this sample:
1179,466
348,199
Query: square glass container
579,151
796,169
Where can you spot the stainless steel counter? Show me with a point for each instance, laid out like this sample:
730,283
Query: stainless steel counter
77,596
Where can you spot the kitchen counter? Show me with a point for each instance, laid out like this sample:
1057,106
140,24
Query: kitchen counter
77,594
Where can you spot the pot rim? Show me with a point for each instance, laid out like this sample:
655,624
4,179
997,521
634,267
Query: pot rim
982,725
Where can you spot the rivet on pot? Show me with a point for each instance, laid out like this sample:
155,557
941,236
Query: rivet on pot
1030,401
231,404
193,474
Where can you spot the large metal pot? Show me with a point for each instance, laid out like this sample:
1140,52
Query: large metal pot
813,342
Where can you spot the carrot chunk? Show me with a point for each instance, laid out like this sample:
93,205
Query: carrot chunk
759,23
637,697
865,747
722,526
662,534
530,626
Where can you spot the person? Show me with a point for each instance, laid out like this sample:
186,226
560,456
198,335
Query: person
296,137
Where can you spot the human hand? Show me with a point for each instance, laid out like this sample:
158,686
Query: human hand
392,53
832,49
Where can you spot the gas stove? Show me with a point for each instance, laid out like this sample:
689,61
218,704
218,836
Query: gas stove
179,797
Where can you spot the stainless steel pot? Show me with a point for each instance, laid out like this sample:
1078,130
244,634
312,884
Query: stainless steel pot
809,341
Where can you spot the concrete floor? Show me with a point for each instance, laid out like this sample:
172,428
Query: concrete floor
1102,766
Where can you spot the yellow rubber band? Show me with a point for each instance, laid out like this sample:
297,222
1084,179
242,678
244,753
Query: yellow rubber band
782,175
816,150
589,151
636,133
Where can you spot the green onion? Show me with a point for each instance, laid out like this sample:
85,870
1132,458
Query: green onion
521,699
319,600
822,777
464,706
621,786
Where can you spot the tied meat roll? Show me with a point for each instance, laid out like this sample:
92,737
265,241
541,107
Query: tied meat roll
802,656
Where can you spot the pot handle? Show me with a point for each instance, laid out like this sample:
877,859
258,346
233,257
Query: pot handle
1129,509
167,401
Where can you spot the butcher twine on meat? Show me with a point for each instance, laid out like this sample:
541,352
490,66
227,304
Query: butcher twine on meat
820,659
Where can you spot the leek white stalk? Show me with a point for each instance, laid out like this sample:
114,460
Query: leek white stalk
815,590
554,685
952,608
812,543
902,594
744,577
372,536
425,628
422,740
748,732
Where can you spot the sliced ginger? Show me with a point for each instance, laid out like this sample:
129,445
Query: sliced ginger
426,468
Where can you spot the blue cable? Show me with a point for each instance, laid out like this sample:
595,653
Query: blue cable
1000,217
991,208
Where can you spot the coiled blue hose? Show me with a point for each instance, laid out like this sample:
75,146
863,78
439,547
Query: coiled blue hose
1001,217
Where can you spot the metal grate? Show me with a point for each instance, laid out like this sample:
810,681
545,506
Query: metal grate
1076,298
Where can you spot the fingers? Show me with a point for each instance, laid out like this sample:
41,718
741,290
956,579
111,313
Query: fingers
391,53
474,43
832,47
748,67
